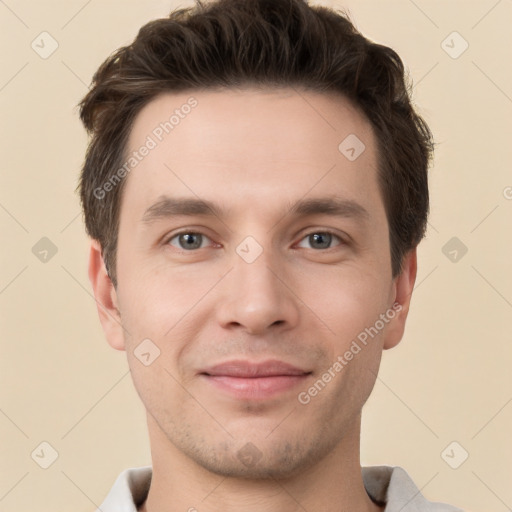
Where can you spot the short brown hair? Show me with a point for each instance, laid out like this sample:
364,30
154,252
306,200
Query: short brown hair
264,43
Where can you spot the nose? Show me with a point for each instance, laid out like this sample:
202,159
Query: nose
258,297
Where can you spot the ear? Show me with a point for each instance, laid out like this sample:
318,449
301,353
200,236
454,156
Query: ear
106,298
403,286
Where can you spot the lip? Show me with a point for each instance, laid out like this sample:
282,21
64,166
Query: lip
246,380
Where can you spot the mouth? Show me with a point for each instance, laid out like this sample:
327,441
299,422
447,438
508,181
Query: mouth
245,380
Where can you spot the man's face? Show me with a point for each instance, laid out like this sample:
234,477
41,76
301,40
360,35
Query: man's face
252,299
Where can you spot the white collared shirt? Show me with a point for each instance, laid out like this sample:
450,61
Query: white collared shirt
384,484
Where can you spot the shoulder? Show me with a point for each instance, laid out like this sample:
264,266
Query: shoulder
393,487
129,490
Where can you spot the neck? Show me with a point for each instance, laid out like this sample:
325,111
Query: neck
332,484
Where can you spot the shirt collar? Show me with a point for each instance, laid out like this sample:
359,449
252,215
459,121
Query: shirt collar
387,485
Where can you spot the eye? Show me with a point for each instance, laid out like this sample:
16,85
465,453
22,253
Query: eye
320,240
189,241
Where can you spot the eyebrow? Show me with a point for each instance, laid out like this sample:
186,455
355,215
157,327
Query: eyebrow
167,207
330,206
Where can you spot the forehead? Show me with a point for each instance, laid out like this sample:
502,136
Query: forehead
239,145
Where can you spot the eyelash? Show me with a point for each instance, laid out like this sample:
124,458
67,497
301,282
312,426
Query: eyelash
341,240
334,236
186,232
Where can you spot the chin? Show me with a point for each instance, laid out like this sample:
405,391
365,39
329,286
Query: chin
274,461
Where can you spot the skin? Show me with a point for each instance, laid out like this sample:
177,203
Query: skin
254,153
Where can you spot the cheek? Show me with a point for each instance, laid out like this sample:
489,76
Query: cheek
169,307
352,306
157,297
346,300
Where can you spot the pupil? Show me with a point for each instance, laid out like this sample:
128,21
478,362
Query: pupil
190,241
320,240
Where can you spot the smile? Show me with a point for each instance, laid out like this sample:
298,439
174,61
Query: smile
244,380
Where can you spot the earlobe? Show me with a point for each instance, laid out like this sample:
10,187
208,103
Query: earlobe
403,286
106,298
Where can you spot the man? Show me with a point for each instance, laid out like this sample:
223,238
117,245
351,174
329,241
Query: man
255,190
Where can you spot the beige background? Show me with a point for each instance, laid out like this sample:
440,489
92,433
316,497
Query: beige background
449,379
